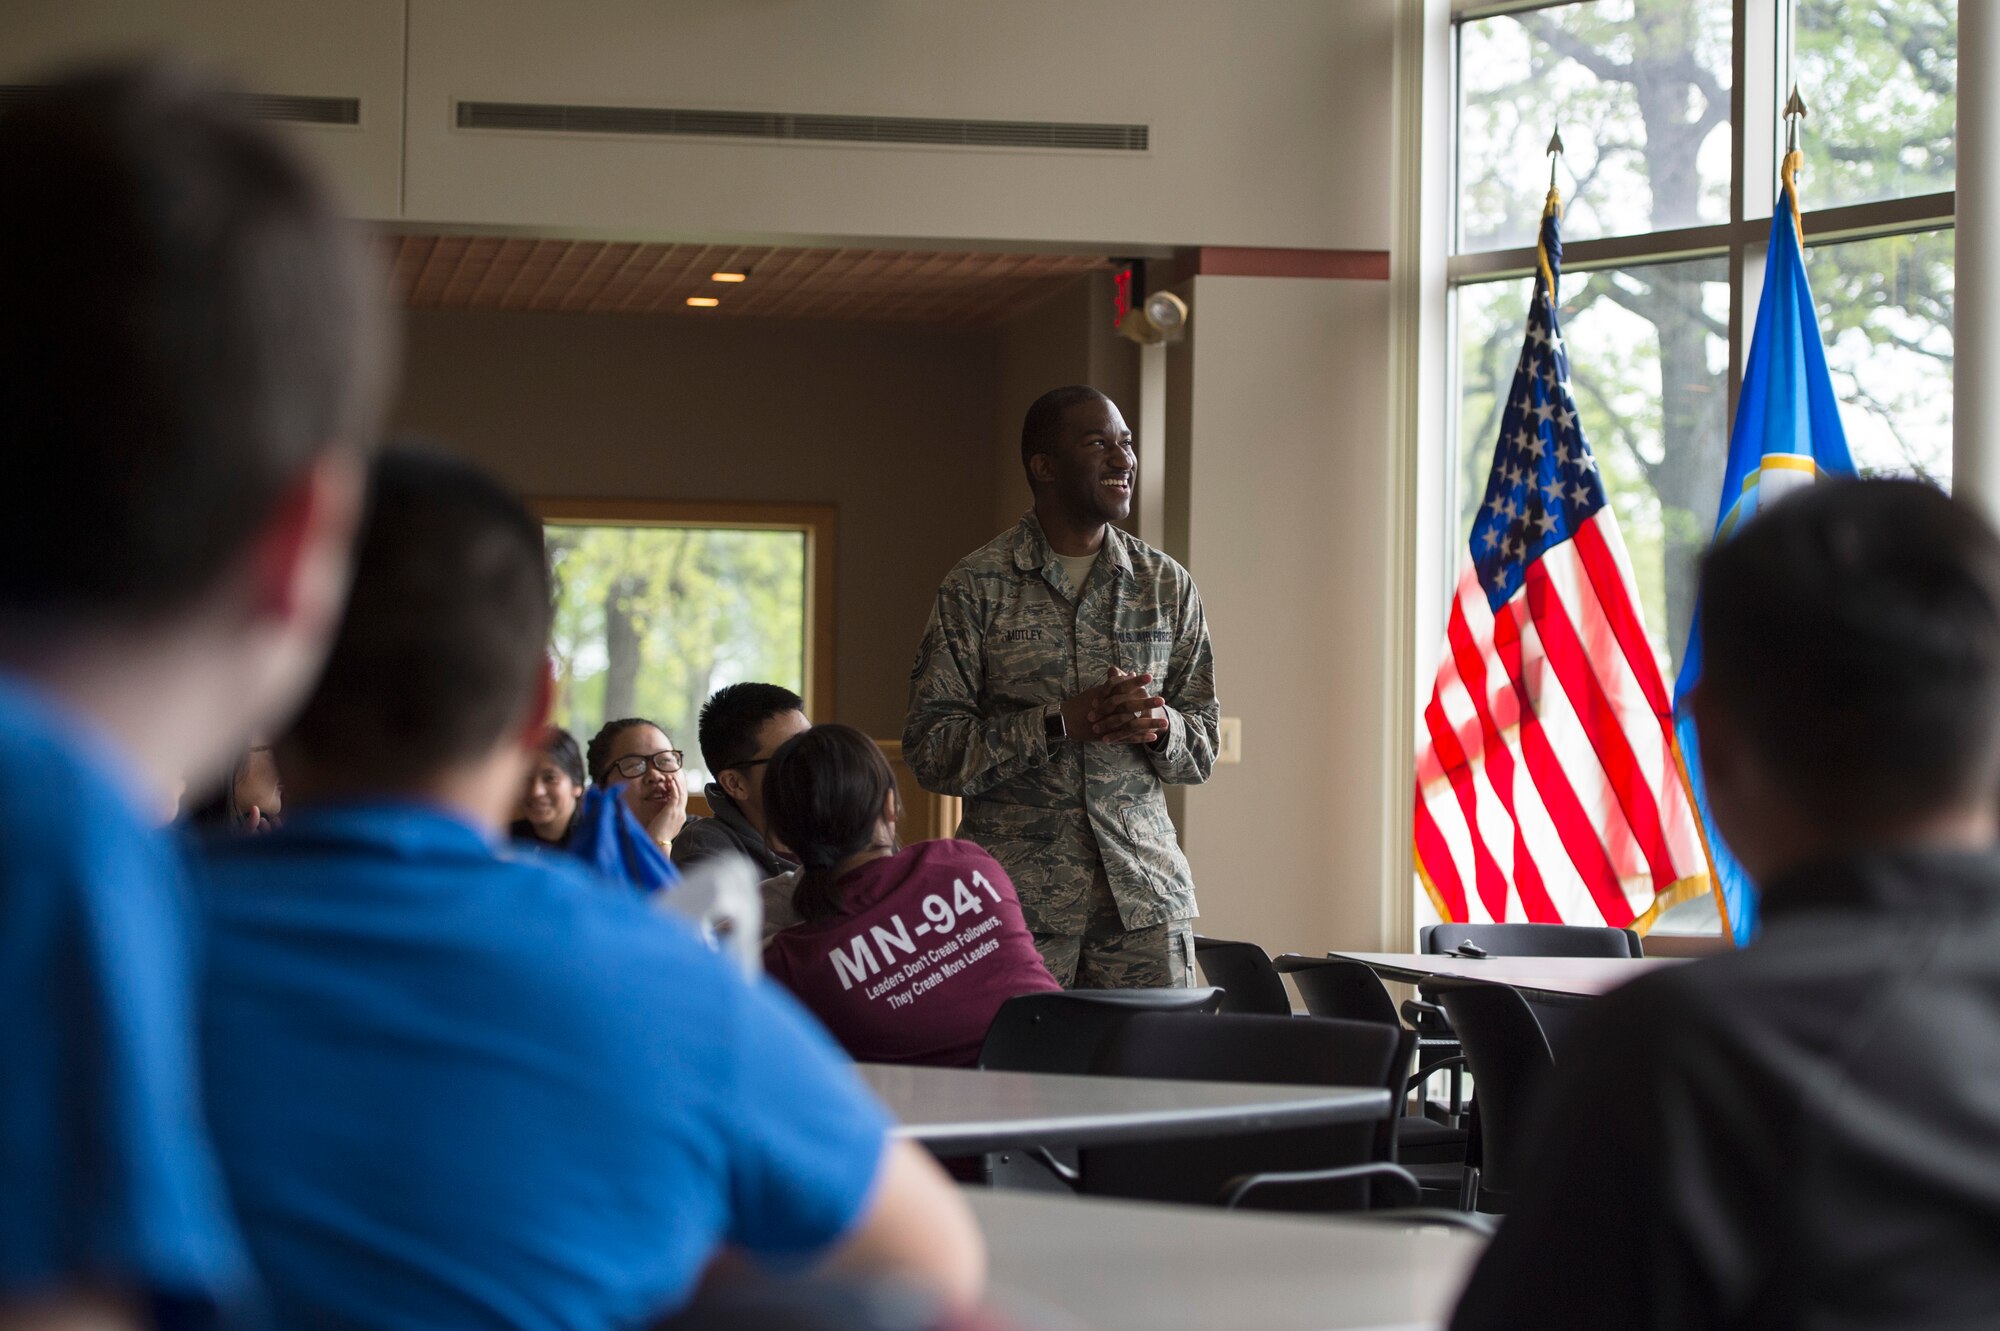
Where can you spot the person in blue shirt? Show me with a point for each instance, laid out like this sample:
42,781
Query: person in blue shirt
457,1083
191,352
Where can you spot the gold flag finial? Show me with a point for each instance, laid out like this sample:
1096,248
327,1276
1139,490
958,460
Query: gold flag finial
1795,111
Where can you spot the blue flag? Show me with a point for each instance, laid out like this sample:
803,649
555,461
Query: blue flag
1787,434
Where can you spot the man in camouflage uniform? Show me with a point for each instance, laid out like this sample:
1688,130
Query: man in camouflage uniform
1032,698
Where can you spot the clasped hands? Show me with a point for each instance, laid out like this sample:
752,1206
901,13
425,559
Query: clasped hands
1121,710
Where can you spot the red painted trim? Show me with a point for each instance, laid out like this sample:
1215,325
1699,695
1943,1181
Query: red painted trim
1335,265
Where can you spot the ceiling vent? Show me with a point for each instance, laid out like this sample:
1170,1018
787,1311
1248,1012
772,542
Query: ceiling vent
263,105
798,127
303,110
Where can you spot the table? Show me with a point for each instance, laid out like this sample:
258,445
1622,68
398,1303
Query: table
1063,1262
961,1111
1557,978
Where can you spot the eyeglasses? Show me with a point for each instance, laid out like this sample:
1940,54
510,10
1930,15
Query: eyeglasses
633,766
746,764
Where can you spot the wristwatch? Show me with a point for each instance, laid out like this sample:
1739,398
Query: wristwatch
1054,728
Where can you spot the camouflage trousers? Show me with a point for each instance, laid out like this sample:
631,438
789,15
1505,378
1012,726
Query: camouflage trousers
1107,955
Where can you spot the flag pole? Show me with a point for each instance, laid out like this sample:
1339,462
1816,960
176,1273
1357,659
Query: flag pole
1795,111
1551,207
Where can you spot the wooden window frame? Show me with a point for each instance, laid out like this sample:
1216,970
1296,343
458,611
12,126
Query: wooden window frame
817,521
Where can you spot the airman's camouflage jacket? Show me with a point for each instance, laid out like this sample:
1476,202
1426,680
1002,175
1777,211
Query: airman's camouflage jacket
1008,643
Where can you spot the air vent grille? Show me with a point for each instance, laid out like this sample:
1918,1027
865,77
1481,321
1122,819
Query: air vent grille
305,110
799,127
263,105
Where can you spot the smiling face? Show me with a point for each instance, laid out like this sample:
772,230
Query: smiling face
652,791
1090,471
550,801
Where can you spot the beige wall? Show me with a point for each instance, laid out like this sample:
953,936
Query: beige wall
1068,339
891,425
303,47
1270,118
1287,529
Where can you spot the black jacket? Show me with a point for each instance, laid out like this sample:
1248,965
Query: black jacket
1804,1134
726,829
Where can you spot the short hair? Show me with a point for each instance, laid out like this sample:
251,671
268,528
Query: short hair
1852,634
445,639
823,794
732,716
186,323
1041,429
600,743
562,750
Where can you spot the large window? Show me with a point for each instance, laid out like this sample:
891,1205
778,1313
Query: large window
1667,206
657,606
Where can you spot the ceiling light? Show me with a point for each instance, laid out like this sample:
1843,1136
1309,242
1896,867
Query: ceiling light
703,302
729,277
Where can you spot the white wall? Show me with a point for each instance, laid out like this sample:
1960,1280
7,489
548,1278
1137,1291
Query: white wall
1270,118
304,47
1286,537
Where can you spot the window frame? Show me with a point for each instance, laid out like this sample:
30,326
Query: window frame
818,523
1760,59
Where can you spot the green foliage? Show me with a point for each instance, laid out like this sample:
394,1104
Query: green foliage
1641,88
651,620
1881,80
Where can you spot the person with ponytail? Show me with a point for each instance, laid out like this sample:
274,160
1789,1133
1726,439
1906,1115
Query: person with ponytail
904,954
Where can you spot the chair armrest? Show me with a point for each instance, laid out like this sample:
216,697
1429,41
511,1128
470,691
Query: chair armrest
1402,1184
1477,1222
1041,1156
1416,1011
1432,1069
1287,962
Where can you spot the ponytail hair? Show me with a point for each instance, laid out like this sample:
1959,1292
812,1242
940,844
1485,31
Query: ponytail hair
823,795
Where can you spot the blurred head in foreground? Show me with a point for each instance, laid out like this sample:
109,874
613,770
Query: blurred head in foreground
1850,694
193,355
438,684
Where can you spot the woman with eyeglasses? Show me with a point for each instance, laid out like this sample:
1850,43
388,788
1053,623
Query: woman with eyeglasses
638,753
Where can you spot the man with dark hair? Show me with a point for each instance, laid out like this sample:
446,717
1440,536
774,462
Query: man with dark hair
1802,1134
741,727
192,360
1032,698
454,1084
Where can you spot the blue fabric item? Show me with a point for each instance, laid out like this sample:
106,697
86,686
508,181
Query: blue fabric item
105,1172
1787,433
608,838
458,1084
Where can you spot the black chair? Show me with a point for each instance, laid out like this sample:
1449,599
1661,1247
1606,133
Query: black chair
1337,987
1510,1061
1064,1032
1531,940
1244,972
1349,1165
1349,991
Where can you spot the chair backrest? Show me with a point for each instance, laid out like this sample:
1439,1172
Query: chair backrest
1064,1032
1336,987
1509,1058
1532,940
1298,1051
1243,970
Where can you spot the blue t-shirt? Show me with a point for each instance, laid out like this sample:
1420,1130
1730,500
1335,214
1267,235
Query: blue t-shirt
458,1085
105,1172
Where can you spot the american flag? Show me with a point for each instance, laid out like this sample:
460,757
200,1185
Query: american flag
1547,786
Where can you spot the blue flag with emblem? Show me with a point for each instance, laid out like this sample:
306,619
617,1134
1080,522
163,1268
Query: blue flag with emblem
1787,434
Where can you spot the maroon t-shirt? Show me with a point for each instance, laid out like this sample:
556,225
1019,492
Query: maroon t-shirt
927,946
